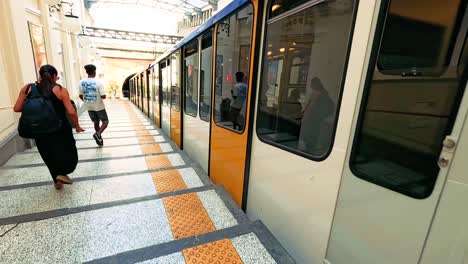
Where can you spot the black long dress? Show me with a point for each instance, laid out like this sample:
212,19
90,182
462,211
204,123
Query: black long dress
58,150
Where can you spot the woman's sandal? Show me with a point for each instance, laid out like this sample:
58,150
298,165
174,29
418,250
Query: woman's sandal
64,179
58,185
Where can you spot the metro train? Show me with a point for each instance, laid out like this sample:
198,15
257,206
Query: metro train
338,123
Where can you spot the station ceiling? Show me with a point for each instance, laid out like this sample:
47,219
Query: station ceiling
187,7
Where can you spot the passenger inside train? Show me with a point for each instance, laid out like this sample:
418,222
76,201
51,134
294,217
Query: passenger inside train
315,123
239,94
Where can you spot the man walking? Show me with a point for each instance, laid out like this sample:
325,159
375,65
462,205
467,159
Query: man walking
92,92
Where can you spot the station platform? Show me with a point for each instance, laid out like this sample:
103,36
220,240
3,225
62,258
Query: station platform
137,199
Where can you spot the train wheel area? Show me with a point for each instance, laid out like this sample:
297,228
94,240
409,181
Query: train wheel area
136,199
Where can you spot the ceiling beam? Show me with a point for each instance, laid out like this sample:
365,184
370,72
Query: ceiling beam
129,35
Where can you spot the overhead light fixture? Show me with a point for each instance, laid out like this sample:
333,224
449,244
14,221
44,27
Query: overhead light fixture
269,53
282,49
276,5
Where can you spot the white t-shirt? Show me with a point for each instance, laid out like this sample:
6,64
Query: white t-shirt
240,92
92,89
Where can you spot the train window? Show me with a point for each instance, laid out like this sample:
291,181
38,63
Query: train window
302,77
404,119
411,38
463,58
165,67
191,78
156,85
232,69
175,85
206,75
149,76
279,7
144,89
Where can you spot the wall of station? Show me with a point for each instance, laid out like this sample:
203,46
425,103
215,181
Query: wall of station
33,35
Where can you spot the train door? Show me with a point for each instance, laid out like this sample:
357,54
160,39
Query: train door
146,95
150,83
130,90
137,91
404,166
300,131
231,100
165,107
142,93
157,98
176,114
198,59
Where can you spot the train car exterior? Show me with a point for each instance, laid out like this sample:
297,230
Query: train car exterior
338,123
156,101
197,79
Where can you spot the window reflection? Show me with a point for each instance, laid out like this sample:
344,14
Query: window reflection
205,76
412,37
191,78
175,85
406,117
304,64
232,69
165,82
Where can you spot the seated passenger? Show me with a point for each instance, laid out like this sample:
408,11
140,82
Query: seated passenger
225,109
314,133
292,109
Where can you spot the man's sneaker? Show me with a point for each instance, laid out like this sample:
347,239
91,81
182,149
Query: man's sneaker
100,139
96,138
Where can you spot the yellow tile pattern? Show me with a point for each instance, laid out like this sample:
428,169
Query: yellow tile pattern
221,251
151,148
187,216
143,133
168,181
157,162
145,139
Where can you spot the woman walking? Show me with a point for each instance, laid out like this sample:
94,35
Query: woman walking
57,149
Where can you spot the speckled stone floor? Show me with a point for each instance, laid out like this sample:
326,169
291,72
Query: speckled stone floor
138,199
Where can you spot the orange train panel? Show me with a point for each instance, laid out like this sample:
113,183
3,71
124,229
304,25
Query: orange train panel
228,148
227,160
157,119
176,124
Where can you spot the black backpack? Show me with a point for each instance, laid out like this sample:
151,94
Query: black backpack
38,117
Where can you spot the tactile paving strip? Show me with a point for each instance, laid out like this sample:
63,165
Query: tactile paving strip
151,148
187,216
168,181
143,133
157,162
221,251
145,139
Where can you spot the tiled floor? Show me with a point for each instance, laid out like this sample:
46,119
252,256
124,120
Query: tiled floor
138,199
